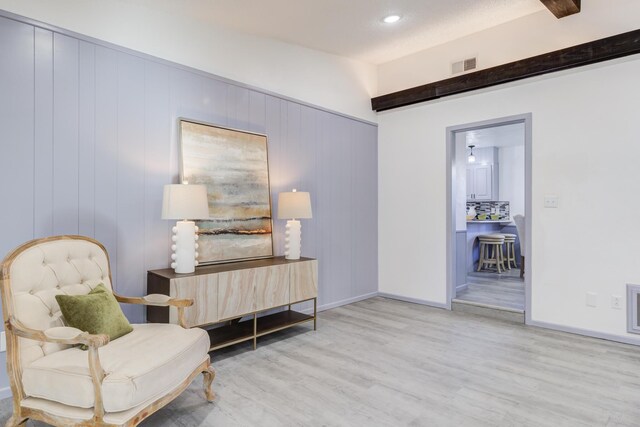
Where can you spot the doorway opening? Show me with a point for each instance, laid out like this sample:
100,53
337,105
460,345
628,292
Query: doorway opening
489,217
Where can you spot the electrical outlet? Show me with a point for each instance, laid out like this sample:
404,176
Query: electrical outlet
3,342
550,201
616,302
592,299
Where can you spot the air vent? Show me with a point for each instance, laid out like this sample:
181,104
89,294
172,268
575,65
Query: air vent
464,65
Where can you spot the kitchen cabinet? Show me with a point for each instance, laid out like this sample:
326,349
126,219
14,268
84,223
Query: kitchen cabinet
480,182
482,176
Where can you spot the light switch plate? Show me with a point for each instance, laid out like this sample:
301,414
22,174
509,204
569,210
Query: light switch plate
550,201
3,342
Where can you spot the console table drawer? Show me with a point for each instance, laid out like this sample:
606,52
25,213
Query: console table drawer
236,291
200,289
304,280
273,290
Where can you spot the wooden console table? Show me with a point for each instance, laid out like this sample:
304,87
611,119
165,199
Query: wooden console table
229,292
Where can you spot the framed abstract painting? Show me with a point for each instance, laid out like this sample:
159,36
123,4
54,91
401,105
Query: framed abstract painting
234,166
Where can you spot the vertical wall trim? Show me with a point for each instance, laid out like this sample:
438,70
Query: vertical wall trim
79,137
103,142
451,247
528,208
53,128
33,134
174,65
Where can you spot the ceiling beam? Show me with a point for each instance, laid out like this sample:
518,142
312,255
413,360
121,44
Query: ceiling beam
562,8
583,54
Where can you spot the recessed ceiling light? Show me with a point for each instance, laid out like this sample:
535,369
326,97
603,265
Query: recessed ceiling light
391,19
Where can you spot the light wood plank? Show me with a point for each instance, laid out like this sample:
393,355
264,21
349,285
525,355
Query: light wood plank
505,290
236,293
381,362
203,290
272,286
304,280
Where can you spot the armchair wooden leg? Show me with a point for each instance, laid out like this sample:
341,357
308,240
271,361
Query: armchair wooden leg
15,421
209,374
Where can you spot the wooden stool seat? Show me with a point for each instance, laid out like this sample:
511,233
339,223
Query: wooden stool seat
491,251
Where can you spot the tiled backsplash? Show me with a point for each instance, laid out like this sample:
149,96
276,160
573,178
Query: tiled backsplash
490,208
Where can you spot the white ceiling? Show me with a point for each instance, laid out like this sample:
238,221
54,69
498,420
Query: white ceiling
353,28
497,136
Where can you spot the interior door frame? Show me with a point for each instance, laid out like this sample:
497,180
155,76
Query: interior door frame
527,120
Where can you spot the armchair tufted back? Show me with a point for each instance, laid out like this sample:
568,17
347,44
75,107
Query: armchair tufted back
34,273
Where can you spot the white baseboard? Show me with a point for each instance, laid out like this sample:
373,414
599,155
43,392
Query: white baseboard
347,301
463,287
585,332
329,306
5,392
414,300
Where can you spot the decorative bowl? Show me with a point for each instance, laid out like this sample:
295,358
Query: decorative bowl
482,217
495,217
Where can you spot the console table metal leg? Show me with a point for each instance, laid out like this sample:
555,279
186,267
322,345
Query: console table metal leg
255,331
315,312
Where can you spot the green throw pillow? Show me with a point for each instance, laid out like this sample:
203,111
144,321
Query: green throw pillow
98,312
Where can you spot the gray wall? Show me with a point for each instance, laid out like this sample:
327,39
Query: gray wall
89,137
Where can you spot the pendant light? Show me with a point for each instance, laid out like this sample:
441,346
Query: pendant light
471,158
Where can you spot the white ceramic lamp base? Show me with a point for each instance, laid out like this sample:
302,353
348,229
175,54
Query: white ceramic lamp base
185,257
293,239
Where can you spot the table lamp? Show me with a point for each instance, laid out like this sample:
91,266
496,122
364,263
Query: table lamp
292,205
184,202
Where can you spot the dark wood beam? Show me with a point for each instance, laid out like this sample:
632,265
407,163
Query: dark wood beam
584,54
562,8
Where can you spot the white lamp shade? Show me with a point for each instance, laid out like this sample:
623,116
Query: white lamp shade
295,204
185,201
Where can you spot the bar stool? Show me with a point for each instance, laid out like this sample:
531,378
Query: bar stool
491,251
510,246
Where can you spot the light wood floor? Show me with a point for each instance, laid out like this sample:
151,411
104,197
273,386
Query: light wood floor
382,362
500,290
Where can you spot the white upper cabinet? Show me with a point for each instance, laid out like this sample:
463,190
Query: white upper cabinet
482,176
480,182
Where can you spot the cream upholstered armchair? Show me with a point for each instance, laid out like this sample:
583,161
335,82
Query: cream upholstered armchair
116,383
